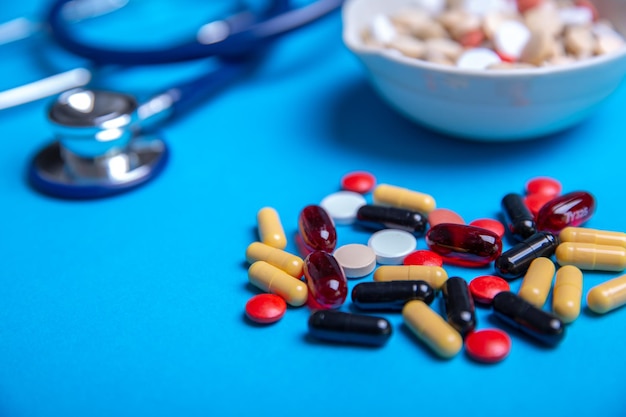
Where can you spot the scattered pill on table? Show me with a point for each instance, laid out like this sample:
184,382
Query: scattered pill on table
537,281
520,222
494,225
488,345
435,276
276,281
271,230
317,229
543,185
515,261
571,209
385,217
342,206
444,215
326,281
591,257
357,260
265,308
567,293
608,295
400,197
340,327
291,264
423,257
485,287
390,295
391,246
432,329
458,305
358,181
534,322
594,236
464,245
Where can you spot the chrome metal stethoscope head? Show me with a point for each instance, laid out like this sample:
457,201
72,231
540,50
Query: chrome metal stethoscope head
99,149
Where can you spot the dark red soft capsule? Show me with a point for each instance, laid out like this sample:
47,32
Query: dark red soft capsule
464,245
571,209
317,229
327,283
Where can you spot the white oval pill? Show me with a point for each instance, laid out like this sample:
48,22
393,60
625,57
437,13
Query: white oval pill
478,58
356,260
510,38
342,206
382,29
391,246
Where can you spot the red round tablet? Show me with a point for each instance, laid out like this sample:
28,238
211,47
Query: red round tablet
443,215
488,345
266,308
423,257
358,182
485,287
534,202
490,224
543,185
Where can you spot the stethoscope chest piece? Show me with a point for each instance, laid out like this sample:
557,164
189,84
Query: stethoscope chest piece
98,151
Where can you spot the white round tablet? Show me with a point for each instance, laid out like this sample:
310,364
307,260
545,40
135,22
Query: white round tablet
356,260
478,58
391,246
510,38
342,206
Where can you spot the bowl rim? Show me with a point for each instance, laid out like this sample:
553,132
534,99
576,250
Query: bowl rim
350,39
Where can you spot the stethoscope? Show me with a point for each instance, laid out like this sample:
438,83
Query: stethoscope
104,141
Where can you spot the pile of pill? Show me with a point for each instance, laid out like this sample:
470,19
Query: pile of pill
496,34
408,280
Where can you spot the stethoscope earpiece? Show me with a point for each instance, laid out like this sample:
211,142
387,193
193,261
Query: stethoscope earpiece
98,150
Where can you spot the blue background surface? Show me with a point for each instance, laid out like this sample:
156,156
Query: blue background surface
134,305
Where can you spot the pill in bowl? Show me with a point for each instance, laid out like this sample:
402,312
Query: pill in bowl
490,70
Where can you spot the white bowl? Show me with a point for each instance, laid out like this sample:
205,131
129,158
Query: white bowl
485,105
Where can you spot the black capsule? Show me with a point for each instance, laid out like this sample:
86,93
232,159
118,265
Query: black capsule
383,217
390,295
458,305
337,326
518,218
535,322
515,262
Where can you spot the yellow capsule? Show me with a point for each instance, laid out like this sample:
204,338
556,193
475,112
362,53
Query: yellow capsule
607,296
271,230
435,276
567,293
595,236
271,279
286,261
537,281
403,198
432,329
591,257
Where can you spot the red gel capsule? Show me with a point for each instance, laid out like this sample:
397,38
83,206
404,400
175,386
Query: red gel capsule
571,209
328,286
317,229
464,245
423,257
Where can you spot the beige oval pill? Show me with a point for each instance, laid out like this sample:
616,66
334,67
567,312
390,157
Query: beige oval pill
588,256
286,261
537,281
356,260
607,296
567,293
538,49
271,230
435,276
595,236
403,198
432,329
276,281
